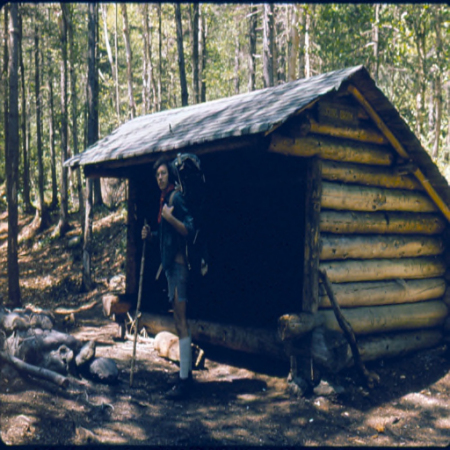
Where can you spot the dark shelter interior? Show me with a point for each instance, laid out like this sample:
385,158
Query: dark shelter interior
254,216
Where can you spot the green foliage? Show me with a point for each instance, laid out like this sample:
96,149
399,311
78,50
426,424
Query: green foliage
409,61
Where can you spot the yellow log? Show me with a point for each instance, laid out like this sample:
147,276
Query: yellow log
373,293
382,319
378,246
333,149
382,223
368,175
383,269
356,133
263,341
358,198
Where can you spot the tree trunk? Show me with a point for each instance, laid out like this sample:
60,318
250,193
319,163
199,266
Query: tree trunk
54,202
252,22
74,107
145,61
116,66
181,65
92,136
110,56
204,55
12,160
195,52
302,42
294,42
307,20
236,65
63,224
159,57
438,82
380,223
375,39
41,220
28,207
268,44
126,37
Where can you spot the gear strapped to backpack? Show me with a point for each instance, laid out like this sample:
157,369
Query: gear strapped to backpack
191,181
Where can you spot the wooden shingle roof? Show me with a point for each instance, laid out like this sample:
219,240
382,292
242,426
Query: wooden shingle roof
255,113
240,115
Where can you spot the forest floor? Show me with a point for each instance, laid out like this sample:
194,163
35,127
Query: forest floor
236,400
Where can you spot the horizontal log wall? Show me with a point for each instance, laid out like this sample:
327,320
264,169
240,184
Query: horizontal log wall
386,177
381,319
383,269
396,344
380,242
335,246
349,222
363,198
375,293
333,149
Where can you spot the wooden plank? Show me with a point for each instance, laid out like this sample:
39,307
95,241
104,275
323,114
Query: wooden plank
368,175
376,293
371,247
400,150
380,223
383,269
332,148
313,192
363,198
383,319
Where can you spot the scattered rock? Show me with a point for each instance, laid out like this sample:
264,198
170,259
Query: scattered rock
104,370
324,388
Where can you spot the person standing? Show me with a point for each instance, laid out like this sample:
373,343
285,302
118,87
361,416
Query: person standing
175,225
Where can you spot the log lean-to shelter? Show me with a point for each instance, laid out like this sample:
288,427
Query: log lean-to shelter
319,173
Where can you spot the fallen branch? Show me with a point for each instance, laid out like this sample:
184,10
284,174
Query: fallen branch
66,311
371,378
38,372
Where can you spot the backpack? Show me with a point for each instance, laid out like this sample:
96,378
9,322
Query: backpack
191,180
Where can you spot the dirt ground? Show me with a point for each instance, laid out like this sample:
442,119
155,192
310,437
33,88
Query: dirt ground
237,400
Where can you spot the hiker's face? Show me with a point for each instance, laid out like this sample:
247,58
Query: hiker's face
162,176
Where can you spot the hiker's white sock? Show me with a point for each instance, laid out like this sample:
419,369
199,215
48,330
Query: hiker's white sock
185,357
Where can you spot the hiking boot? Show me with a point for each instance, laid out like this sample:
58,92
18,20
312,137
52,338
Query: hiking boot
175,376
180,390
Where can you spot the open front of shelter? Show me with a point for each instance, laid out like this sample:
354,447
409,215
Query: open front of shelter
315,175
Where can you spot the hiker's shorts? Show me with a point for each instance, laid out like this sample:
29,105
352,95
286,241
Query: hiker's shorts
177,278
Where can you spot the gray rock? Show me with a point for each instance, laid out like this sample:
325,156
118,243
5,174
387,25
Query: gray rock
104,370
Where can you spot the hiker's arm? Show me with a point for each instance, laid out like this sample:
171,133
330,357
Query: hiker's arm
177,224
183,221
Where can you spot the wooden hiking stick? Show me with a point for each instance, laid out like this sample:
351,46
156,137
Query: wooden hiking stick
138,306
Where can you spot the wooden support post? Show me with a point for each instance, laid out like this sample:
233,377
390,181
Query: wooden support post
131,268
313,194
